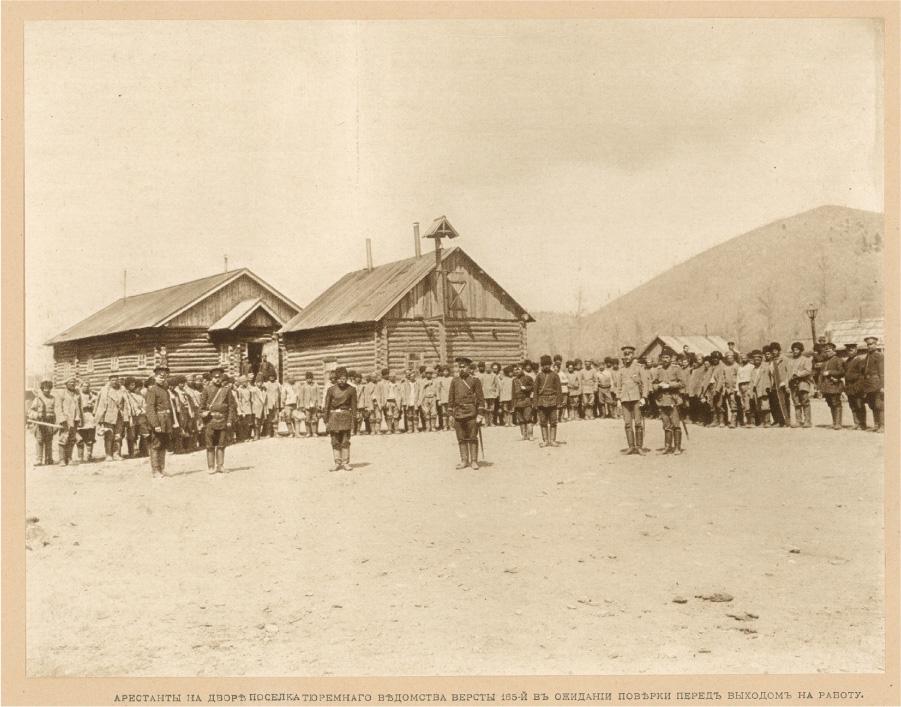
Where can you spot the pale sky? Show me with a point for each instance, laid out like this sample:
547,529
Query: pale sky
570,155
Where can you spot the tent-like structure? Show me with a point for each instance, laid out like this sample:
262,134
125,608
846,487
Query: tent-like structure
703,345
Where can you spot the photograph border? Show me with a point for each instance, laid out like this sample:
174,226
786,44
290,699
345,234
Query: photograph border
17,689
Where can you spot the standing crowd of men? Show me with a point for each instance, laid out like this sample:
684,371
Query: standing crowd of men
148,417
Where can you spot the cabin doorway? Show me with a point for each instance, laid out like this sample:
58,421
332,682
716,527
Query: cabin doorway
254,355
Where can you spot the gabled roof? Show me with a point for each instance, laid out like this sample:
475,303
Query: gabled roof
237,314
696,343
368,295
153,309
853,331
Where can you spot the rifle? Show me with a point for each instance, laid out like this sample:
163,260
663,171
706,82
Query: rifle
481,441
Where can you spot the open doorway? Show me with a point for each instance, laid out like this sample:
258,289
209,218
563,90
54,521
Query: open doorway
254,355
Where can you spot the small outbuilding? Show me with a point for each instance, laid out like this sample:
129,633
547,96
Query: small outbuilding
853,331
192,326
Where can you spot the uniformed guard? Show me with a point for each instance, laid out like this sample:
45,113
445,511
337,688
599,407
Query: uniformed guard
873,382
219,412
832,370
628,383
340,409
547,396
668,383
854,363
160,416
467,405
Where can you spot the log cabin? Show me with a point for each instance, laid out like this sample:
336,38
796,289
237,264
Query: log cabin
390,316
194,326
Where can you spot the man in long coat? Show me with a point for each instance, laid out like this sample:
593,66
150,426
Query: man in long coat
219,411
467,406
161,418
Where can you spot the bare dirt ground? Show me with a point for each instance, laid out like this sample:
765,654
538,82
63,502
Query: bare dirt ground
544,562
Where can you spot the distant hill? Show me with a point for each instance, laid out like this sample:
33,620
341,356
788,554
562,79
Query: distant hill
753,288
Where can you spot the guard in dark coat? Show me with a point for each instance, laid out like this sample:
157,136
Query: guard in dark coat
340,410
548,390
873,382
832,370
467,405
219,411
854,364
160,416
668,383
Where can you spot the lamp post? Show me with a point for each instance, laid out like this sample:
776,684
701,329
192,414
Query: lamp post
812,314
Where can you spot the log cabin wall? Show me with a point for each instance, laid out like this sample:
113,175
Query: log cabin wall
411,342
489,340
352,346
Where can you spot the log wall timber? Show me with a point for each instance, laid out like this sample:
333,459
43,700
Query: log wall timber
486,340
320,350
93,360
212,308
412,342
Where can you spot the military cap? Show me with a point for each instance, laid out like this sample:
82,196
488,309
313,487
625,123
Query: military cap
462,360
161,369
797,345
627,347
852,345
868,339
546,360
340,372
756,352
214,371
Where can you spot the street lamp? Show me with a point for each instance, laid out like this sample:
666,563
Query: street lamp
812,314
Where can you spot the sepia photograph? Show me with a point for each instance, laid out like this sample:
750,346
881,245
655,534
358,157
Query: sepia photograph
453,347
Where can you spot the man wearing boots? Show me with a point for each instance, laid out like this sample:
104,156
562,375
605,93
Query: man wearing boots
160,417
68,417
873,382
669,381
854,363
800,378
467,406
218,409
628,384
428,400
110,416
86,431
547,397
43,409
832,370
340,409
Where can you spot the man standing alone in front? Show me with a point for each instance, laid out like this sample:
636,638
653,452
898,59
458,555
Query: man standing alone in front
160,416
629,387
466,403
217,407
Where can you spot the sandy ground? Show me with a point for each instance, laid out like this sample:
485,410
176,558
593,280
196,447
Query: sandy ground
544,562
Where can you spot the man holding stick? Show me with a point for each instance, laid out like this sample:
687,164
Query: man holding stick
466,403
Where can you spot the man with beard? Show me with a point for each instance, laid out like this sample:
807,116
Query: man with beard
467,405
217,408
110,415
